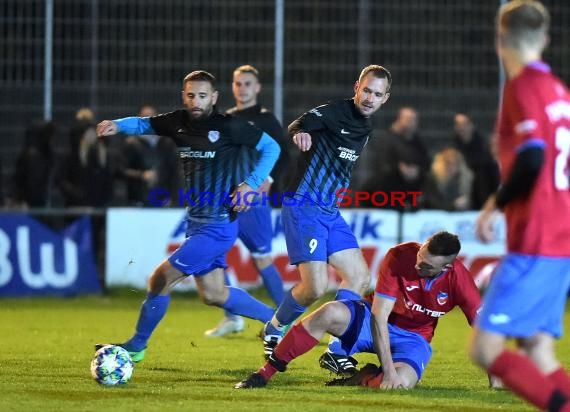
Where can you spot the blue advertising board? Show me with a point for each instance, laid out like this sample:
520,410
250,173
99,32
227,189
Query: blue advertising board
35,260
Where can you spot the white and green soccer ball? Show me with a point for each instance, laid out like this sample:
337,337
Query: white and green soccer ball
112,365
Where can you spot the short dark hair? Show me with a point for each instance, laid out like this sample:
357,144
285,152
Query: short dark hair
377,71
248,68
200,76
443,244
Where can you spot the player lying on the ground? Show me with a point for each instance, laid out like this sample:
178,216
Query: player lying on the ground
417,284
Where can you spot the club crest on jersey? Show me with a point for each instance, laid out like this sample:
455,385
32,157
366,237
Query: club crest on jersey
442,298
213,136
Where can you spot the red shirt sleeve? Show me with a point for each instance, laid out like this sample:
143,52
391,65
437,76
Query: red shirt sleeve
468,296
526,112
387,283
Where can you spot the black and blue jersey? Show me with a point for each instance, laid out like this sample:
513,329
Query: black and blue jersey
209,151
262,118
338,132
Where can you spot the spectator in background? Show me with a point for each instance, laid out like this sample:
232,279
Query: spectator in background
85,114
449,184
150,161
397,161
1,184
405,177
477,154
88,176
36,167
403,141
90,168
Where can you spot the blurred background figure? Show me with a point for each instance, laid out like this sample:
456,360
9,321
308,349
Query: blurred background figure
36,167
85,114
150,162
2,194
449,184
246,87
397,161
407,176
477,153
90,168
255,225
402,141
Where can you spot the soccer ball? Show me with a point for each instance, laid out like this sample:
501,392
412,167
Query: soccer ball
112,365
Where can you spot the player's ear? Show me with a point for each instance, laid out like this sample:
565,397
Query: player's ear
385,98
356,86
215,95
546,41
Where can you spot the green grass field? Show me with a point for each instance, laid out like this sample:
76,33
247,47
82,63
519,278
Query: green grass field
47,344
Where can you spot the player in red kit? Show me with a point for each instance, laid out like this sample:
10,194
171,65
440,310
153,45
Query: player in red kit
417,284
527,295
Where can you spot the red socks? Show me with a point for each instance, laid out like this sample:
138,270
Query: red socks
296,342
524,378
561,380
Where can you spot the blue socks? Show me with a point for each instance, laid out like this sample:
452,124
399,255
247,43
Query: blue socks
273,283
336,347
152,311
229,282
288,311
240,302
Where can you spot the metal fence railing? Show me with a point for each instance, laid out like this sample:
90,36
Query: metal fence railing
114,54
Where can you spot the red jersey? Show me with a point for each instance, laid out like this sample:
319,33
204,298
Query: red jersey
420,302
536,112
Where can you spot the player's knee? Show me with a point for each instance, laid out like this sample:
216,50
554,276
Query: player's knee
314,292
261,262
476,353
158,281
334,317
539,349
364,280
327,312
486,347
212,298
538,343
360,280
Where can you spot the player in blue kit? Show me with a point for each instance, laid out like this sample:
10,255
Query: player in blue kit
331,137
255,226
209,144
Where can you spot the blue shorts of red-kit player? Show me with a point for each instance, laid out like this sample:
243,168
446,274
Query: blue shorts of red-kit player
407,347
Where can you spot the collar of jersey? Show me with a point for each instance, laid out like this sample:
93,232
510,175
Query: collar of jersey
430,281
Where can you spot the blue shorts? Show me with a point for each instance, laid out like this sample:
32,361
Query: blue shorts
255,230
205,247
407,347
312,235
527,295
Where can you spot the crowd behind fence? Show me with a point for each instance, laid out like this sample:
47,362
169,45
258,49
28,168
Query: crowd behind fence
112,56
